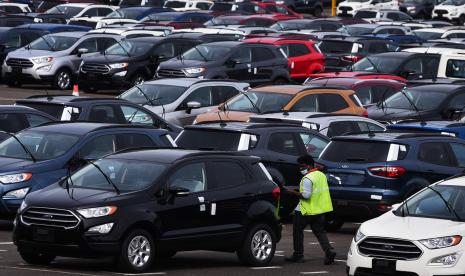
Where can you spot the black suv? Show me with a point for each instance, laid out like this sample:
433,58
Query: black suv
133,61
279,146
255,63
101,110
367,173
140,205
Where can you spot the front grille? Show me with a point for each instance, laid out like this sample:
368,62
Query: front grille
369,272
95,68
170,73
345,8
441,12
19,62
389,249
51,217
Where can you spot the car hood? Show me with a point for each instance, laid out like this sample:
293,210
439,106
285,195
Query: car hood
12,164
409,228
107,59
176,63
55,196
24,53
354,5
387,114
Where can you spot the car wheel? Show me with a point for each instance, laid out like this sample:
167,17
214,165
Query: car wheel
138,79
317,12
332,223
258,247
62,80
137,252
36,258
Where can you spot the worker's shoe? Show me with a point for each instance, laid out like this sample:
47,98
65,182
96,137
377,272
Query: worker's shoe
329,259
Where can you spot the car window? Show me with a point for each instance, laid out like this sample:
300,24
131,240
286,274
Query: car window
393,16
331,103
307,103
243,55
103,11
89,44
90,12
134,115
430,66
382,92
284,143
221,94
364,94
133,140
403,17
28,37
11,9
225,174
459,152
342,127
104,42
434,153
35,120
99,147
13,40
12,122
202,95
192,177
313,144
367,126
356,151
165,50
295,50
377,47
455,68
414,66
262,54
104,114
457,102
203,6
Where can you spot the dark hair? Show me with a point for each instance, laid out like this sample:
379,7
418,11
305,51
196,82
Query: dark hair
307,160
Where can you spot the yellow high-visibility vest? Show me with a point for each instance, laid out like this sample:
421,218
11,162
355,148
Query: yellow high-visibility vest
320,199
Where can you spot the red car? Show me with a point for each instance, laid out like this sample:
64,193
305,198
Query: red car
265,20
304,59
358,75
369,91
281,12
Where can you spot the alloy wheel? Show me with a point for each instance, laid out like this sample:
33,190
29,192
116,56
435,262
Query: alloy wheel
262,245
139,251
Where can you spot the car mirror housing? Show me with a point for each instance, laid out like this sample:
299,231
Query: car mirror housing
192,105
178,191
82,51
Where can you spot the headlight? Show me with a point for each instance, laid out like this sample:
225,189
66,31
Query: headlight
101,229
358,236
97,212
22,207
453,13
17,194
437,243
448,260
15,178
119,65
411,8
194,70
42,60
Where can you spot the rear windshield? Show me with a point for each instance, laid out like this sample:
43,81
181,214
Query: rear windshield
365,14
209,140
61,112
356,152
334,47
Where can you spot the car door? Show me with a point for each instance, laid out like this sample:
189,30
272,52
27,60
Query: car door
91,44
262,64
202,96
436,161
239,65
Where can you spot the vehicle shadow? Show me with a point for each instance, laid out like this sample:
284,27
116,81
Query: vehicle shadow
6,225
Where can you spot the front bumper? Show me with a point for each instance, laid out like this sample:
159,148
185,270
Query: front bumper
446,17
38,73
358,264
106,81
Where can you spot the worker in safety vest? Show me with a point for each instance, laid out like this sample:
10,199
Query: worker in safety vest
314,202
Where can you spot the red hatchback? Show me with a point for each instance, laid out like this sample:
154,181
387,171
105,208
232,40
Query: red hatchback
280,12
304,58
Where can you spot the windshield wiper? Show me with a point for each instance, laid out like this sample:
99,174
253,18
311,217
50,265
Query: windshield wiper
23,146
374,66
106,176
200,53
145,95
251,102
449,207
48,43
124,49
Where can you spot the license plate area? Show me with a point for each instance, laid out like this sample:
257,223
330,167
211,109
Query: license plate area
43,235
17,70
384,267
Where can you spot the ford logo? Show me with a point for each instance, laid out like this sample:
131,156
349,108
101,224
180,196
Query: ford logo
345,166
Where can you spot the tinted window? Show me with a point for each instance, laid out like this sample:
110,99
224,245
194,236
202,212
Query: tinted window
434,153
342,127
381,92
334,47
367,126
104,114
365,14
262,54
153,94
202,95
51,109
134,115
203,6
89,44
12,122
165,50
377,47
457,102
90,12
284,143
356,152
35,120
192,177
209,140
224,174
99,147
223,93
455,68
331,103
459,152
243,55
295,50
306,104
313,144
133,140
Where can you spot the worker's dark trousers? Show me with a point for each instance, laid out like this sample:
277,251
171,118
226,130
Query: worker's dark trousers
317,224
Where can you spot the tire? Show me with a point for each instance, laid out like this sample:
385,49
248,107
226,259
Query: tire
36,258
262,237
317,12
332,223
137,79
142,257
63,80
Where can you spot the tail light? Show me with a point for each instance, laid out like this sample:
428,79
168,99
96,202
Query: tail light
383,207
365,114
352,58
388,171
276,193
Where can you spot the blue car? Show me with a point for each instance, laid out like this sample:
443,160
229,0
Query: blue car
451,128
367,173
38,157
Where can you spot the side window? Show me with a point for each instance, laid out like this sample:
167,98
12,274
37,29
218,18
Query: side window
221,94
99,147
377,47
90,12
103,43
313,144
430,65
203,6
392,15
284,143
342,127
165,50
306,104
364,94
134,115
13,40
28,37
243,55
225,174
457,102
381,92
434,153
133,140
261,54
201,95
297,50
459,152
413,66
12,122
282,10
403,17
35,120
367,126
331,103
192,177
89,44
104,114
104,11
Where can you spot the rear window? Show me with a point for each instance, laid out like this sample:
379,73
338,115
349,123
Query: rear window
365,14
51,109
209,140
335,47
455,68
363,152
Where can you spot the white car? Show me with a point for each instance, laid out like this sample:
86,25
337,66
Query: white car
422,236
188,5
13,8
77,10
349,7
452,10
373,16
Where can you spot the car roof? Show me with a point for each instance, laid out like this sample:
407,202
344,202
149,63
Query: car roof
390,136
438,88
294,89
348,81
44,26
187,82
70,34
228,44
80,128
428,124
309,116
241,126
456,181
62,99
4,108
435,50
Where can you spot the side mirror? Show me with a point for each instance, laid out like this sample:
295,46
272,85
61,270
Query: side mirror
232,62
221,107
192,105
178,191
82,51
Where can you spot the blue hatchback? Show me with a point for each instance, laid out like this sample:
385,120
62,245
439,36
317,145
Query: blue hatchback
40,156
451,128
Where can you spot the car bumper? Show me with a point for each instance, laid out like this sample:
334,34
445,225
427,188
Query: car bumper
446,17
37,73
104,81
358,264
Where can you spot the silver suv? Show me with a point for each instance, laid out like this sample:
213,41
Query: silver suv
180,100
53,58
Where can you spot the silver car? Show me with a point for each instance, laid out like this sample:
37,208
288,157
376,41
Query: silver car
53,58
180,100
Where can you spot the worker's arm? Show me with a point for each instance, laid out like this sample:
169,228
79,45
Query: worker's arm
306,189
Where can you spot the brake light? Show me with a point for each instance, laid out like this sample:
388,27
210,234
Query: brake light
388,171
352,58
365,114
382,207
276,193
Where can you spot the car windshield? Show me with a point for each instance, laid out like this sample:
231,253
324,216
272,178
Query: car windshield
160,17
153,94
206,53
53,43
125,14
258,102
365,14
175,4
68,11
127,175
336,47
209,140
387,65
224,21
421,99
454,2
129,48
427,35
42,145
357,30
431,203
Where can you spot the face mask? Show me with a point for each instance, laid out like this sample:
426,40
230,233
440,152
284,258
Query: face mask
304,171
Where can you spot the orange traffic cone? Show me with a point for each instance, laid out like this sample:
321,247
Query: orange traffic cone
76,90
